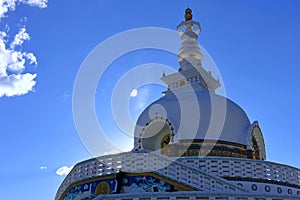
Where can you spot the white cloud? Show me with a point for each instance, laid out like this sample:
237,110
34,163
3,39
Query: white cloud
141,100
3,35
65,96
12,64
38,3
13,61
6,5
19,84
10,5
65,170
112,151
20,37
31,57
133,93
43,168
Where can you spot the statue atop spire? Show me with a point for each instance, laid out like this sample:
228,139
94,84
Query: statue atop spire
188,14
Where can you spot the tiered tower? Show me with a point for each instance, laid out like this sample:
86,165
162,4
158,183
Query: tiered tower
190,71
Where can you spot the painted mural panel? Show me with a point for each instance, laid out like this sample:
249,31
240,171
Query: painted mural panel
131,184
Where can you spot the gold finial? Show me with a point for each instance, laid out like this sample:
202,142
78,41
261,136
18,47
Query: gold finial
188,14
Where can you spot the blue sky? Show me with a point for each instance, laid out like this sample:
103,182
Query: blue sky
254,43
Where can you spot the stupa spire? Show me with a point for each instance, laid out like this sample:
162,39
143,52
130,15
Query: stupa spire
191,71
189,53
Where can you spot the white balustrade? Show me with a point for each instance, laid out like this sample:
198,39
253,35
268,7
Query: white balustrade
199,173
245,168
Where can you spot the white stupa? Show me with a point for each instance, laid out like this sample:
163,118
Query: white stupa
189,144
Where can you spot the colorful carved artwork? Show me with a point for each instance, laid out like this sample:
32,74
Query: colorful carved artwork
90,190
102,188
131,184
165,149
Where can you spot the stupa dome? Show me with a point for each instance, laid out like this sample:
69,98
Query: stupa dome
234,129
